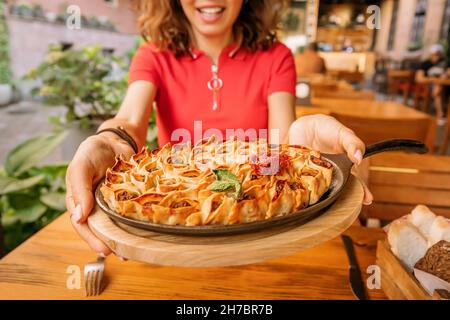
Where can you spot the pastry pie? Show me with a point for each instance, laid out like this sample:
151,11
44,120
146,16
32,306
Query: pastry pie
216,182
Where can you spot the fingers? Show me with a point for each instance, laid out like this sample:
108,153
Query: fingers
362,172
353,146
86,233
81,227
80,180
368,197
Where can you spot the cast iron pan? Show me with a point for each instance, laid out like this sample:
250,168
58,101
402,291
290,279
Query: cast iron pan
341,171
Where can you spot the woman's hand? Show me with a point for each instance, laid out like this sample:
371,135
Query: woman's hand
97,153
326,134
88,166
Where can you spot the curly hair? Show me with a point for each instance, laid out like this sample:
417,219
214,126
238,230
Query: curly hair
164,23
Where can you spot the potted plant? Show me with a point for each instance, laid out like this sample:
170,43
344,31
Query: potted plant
38,12
6,89
108,25
31,195
414,46
87,82
25,10
93,22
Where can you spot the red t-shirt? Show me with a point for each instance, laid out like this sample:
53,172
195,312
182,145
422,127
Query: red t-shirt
183,96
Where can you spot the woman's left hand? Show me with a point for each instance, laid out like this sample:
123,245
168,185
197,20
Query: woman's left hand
326,134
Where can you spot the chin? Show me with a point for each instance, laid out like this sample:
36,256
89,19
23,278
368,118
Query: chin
212,17
211,31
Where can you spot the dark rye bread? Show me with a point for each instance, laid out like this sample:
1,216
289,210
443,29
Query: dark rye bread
437,261
444,294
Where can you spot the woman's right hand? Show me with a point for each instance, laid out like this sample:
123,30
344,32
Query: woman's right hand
97,153
93,157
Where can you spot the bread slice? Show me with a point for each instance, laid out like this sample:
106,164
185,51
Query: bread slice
422,218
407,242
439,230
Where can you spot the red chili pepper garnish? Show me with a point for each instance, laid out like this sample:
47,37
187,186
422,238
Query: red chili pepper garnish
267,164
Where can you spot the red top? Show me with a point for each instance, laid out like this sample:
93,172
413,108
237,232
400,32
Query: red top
183,95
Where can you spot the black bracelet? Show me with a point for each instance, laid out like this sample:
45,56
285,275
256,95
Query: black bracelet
120,131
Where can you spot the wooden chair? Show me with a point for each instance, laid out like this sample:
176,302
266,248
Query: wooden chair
372,130
446,140
399,181
400,81
421,96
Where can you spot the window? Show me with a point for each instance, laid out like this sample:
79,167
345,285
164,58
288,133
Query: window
418,24
445,29
393,27
112,3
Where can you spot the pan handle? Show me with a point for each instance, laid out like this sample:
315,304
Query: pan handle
394,145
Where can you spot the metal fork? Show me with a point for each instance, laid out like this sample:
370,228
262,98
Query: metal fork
93,276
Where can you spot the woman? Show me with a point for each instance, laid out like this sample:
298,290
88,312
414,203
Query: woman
214,63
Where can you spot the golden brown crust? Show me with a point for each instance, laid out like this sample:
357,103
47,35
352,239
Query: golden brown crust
172,185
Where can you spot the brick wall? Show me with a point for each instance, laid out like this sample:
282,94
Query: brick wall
29,41
121,14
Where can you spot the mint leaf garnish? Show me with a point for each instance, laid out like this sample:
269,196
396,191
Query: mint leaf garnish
226,181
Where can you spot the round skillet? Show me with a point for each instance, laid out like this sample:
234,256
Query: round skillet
341,171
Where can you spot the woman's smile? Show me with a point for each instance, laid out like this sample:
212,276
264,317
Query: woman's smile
210,14
212,17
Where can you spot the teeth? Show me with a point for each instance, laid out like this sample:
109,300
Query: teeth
211,10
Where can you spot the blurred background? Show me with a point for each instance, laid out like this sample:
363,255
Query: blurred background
379,66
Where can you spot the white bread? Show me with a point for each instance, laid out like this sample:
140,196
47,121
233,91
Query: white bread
439,230
407,242
422,218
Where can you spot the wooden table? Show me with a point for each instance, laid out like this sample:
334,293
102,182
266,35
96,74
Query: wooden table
434,80
373,110
367,108
37,270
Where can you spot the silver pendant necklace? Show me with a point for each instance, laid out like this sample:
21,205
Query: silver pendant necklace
215,84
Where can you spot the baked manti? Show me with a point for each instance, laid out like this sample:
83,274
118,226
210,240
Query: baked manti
172,185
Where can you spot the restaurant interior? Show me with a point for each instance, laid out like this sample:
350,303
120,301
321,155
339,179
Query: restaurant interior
380,67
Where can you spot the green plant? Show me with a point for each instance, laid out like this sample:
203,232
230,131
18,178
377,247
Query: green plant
5,72
138,41
38,11
290,21
414,46
82,80
25,10
31,195
93,22
109,25
445,44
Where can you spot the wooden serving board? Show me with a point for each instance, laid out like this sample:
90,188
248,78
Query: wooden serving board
206,251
